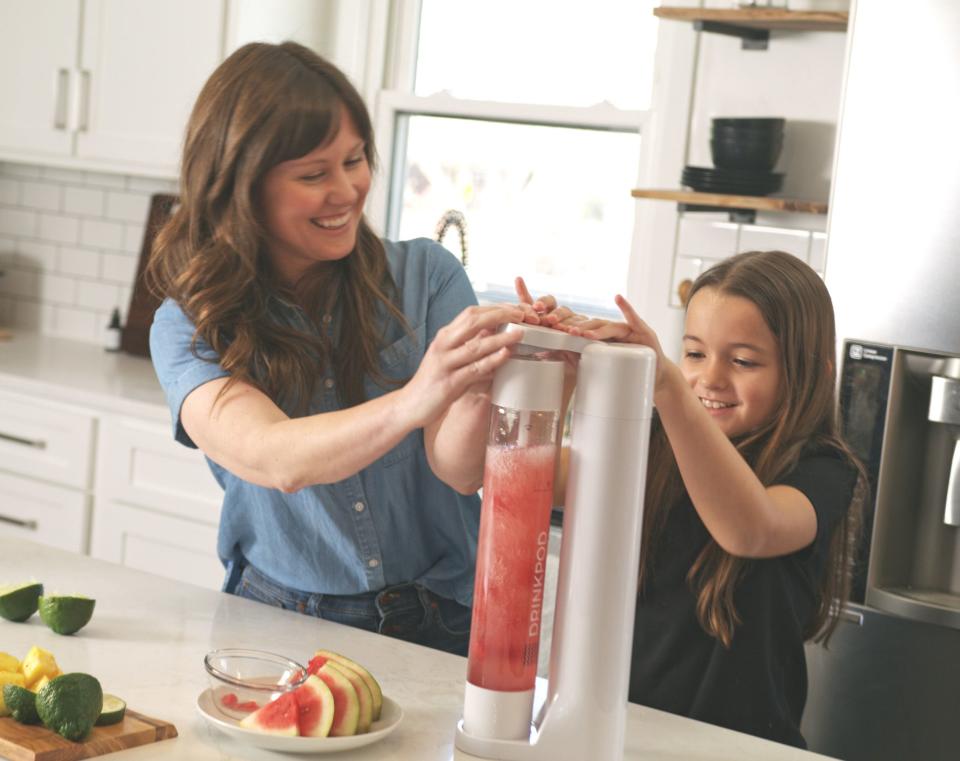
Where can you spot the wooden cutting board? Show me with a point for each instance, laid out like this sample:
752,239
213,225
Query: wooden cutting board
22,742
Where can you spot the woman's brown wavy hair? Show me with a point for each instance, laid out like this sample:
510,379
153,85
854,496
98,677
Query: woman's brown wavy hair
796,306
266,104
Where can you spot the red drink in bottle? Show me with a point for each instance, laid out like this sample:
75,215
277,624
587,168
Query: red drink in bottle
511,567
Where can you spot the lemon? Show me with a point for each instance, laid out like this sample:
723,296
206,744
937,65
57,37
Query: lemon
19,602
113,710
66,614
70,704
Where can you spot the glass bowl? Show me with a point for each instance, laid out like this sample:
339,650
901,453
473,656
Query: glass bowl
241,681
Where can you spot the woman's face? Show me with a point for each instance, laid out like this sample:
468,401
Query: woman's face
312,205
731,360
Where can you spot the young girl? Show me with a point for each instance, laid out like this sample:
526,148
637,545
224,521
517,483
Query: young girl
334,380
750,511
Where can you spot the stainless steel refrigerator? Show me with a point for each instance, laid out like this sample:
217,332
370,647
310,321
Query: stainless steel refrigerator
889,685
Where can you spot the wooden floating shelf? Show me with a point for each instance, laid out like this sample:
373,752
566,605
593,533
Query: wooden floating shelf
756,203
761,18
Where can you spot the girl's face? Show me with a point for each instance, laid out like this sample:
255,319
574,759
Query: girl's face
312,205
731,360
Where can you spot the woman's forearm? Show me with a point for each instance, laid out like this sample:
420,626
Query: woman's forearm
457,444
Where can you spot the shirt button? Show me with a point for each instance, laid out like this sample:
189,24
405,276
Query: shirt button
327,319
358,506
328,383
373,562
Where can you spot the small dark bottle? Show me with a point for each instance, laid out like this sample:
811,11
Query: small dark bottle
111,341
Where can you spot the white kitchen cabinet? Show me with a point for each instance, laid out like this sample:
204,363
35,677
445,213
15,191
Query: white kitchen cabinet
157,504
45,473
39,47
45,513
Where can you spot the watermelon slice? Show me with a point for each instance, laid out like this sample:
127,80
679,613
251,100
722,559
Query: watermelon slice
315,708
322,656
346,704
365,717
278,717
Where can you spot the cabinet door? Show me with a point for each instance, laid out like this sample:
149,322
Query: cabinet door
142,65
38,57
160,544
44,513
139,463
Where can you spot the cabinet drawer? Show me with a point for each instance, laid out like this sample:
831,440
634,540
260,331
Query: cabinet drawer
160,544
45,440
44,513
139,463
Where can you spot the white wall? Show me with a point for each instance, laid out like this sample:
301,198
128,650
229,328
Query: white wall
700,76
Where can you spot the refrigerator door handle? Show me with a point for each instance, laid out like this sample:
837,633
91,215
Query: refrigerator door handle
951,511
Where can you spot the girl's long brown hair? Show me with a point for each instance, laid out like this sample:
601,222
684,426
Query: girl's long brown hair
796,306
263,105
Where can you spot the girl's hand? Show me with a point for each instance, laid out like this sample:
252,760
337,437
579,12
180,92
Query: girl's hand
634,330
544,310
462,356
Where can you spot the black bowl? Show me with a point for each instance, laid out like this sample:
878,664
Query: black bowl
765,123
752,155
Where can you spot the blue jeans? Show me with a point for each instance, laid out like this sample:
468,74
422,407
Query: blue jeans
409,611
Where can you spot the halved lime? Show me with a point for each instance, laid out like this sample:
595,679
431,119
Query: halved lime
22,703
113,710
65,614
19,601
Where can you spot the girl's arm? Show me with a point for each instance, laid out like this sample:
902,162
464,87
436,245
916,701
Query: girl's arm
744,517
245,432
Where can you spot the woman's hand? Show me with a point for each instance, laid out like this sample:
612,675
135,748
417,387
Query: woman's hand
544,310
463,356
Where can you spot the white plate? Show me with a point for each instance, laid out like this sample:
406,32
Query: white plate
390,716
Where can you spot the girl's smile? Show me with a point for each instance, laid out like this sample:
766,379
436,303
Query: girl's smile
731,360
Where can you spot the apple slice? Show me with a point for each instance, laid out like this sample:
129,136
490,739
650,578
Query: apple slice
346,704
363,695
315,708
322,656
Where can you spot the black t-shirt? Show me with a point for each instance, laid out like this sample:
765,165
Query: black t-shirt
759,685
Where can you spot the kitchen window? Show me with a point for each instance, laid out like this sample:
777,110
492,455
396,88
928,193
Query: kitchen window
524,120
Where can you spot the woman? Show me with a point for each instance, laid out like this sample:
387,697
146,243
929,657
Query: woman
313,363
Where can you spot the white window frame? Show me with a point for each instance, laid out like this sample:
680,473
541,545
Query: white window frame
397,99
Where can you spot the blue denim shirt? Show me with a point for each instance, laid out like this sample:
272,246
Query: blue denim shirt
392,522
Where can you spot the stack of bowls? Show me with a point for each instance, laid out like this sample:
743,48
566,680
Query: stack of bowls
746,144
744,151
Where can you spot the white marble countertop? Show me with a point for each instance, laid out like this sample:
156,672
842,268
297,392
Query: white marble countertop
74,372
148,636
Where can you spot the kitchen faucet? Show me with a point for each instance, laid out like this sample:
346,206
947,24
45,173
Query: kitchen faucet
454,218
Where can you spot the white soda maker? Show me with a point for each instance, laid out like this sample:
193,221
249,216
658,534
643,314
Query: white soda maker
584,713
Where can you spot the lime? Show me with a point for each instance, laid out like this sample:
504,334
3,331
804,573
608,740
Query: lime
22,703
19,602
70,704
66,615
113,710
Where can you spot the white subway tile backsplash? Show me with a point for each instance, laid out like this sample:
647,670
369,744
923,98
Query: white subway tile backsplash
57,228
34,254
20,170
79,324
707,239
130,207
133,238
152,185
79,261
97,295
18,222
9,191
56,289
63,176
758,238
87,202
118,268
101,234
103,180
41,195
684,268
818,252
